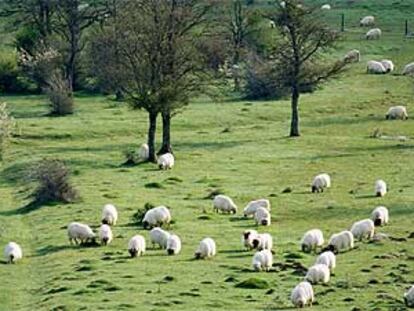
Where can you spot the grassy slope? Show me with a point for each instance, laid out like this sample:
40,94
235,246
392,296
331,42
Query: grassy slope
255,159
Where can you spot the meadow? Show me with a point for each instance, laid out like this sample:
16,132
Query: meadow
240,148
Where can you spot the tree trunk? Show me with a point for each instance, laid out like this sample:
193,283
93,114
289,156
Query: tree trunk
151,136
119,95
166,134
294,126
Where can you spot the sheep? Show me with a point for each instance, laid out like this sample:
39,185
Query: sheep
388,65
374,67
311,240
156,217
272,24
325,7
224,204
397,112
252,207
109,215
320,182
353,56
13,252
136,246
143,152
263,241
380,188
105,234
262,217
408,70
166,161
80,231
159,236
302,295
340,242
248,237
327,258
373,34
173,245
363,229
206,249
262,260
318,273
409,297
380,216
367,21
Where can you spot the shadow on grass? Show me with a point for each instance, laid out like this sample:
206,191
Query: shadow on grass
27,209
51,249
366,196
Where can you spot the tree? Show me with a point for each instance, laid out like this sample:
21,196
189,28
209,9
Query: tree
299,55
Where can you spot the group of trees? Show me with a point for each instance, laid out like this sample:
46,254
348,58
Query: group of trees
158,54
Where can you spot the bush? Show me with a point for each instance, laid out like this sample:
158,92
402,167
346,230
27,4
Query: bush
131,157
60,95
140,213
6,128
11,80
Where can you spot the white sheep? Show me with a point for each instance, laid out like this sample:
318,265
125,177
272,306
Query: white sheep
380,216
263,241
408,70
109,215
143,152
311,240
224,204
397,112
173,245
156,217
373,34
262,217
159,236
409,297
320,182
136,246
302,295
252,206
367,21
80,231
248,237
318,273
327,258
13,252
374,67
363,229
166,161
340,242
206,249
353,56
325,7
388,65
272,24
105,234
380,188
262,260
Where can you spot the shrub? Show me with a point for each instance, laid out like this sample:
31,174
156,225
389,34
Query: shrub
59,93
6,128
131,157
140,213
11,80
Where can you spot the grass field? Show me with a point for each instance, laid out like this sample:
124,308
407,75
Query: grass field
253,158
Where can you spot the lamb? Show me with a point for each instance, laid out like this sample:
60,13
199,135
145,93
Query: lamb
363,229
380,188
143,152
311,240
80,231
166,161
397,112
156,217
408,70
109,215
105,235
302,295
352,56
173,245
206,249
340,242
224,204
327,258
136,246
318,273
320,182
262,217
388,65
262,260
159,236
325,7
380,216
409,297
374,67
13,252
367,21
373,34
252,207
263,241
248,237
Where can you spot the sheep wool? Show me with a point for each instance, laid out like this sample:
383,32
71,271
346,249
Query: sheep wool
320,182
109,215
363,229
302,295
143,152
156,217
136,246
248,237
367,21
159,236
262,217
374,67
341,242
311,240
78,231
373,34
173,245
380,188
166,161
252,207
206,249
397,112
12,252
105,234
328,259
380,216
409,297
318,273
352,56
326,7
262,260
263,241
388,65
408,69
224,204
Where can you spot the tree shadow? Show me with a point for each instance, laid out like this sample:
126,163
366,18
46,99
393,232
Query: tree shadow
366,196
27,209
51,249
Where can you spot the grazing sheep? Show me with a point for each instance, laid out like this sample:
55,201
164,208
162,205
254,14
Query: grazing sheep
262,217
80,231
367,21
380,216
312,240
302,295
262,260
352,56
156,217
248,237
252,207
318,273
173,245
224,203
388,65
340,242
373,34
166,161
409,297
327,258
143,152
325,7
282,4
136,246
397,112
13,252
159,236
109,215
105,235
263,241
320,182
272,24
363,229
374,67
408,70
206,249
380,188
